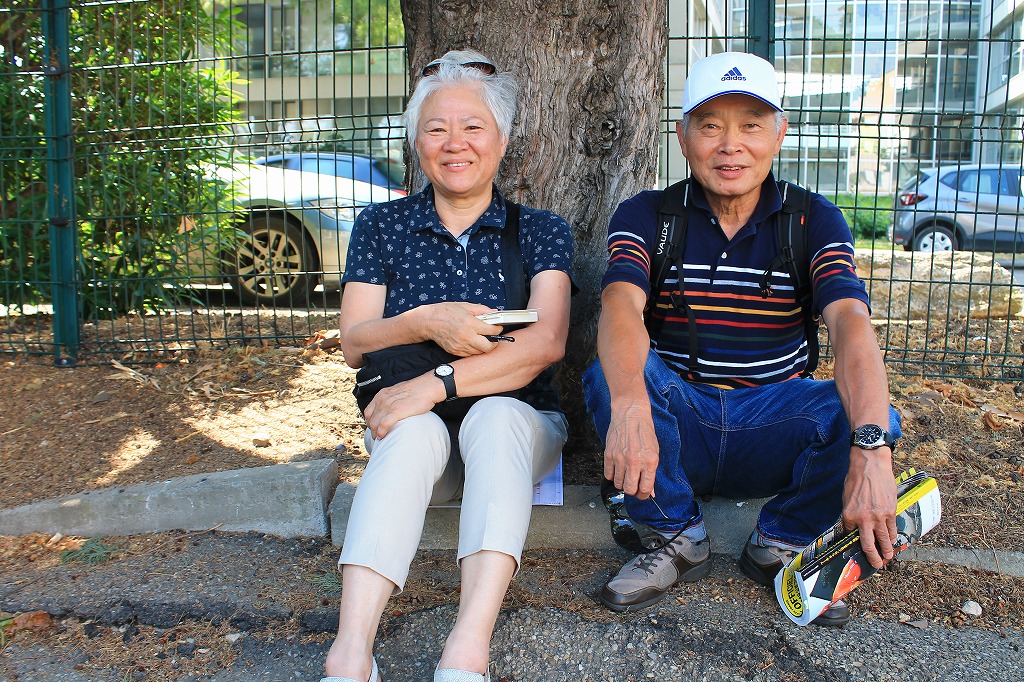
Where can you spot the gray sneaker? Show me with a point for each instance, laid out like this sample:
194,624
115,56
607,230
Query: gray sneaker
761,564
647,578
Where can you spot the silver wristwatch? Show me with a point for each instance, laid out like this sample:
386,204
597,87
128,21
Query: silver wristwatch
871,437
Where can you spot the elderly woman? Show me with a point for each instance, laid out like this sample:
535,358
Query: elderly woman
423,268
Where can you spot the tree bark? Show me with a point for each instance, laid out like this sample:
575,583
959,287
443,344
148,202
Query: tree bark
586,138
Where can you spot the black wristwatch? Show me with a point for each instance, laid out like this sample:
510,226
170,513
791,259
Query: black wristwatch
871,437
446,373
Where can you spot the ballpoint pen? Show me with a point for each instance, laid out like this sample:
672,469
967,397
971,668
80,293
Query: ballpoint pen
498,337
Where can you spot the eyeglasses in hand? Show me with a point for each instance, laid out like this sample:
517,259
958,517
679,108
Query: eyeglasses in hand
631,535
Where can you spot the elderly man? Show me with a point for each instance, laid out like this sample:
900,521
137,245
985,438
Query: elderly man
700,388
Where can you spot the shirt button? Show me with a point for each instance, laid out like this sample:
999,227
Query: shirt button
458,272
725,255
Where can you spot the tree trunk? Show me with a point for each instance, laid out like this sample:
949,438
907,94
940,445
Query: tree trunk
586,138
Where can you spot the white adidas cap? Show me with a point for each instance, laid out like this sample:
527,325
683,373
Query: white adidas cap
730,73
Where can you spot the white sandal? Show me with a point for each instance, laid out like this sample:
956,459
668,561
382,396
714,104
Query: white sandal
374,675
453,675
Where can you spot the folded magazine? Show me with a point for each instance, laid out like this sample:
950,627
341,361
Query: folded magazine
831,566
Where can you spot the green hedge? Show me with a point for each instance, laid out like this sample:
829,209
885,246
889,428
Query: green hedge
869,215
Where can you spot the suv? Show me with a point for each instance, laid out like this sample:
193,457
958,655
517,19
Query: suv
375,170
974,208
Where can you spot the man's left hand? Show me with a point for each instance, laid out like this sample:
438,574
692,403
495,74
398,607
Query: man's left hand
869,503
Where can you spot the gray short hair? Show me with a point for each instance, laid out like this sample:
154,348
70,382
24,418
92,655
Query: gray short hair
499,91
780,118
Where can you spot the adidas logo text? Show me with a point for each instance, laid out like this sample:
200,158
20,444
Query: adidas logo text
734,75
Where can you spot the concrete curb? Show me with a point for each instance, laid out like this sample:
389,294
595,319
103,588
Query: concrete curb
289,500
582,522
997,561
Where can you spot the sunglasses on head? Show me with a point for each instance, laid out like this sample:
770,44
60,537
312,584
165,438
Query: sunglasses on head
485,68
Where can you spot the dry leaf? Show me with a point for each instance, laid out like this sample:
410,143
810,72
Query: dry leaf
191,459
134,374
247,392
108,419
33,620
952,393
992,421
324,340
204,368
996,411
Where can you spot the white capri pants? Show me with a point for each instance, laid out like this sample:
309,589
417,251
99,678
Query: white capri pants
506,446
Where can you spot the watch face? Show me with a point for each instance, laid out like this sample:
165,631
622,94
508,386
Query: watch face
869,434
444,370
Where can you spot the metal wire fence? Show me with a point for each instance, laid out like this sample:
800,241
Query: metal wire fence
176,174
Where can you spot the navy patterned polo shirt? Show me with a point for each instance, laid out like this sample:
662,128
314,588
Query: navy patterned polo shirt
403,245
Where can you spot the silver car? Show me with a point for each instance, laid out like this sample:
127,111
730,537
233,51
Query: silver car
296,227
973,208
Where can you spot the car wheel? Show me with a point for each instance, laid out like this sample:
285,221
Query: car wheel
274,262
934,238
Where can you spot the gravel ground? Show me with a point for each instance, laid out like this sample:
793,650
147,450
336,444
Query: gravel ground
704,641
230,607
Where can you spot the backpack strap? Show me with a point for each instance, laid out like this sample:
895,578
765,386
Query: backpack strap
791,235
517,287
672,222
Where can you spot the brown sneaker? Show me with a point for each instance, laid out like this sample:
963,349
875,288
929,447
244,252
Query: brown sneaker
761,564
647,578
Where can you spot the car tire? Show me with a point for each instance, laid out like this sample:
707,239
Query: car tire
934,238
276,262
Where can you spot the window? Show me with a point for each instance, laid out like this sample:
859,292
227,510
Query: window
979,182
1011,183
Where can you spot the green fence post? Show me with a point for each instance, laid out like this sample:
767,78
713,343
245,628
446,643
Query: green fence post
761,29
60,181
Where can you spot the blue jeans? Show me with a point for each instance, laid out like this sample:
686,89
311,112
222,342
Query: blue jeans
789,441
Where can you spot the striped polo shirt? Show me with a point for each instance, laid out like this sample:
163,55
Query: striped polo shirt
744,338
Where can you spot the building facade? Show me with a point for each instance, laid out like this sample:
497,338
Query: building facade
873,88
320,73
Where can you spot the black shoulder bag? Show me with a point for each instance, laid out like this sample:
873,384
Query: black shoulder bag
390,366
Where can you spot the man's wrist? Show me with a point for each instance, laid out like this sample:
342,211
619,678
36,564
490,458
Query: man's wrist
884,452
631,401
872,437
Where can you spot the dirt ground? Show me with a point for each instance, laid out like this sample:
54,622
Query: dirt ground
65,430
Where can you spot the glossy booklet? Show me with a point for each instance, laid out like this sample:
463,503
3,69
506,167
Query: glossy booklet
834,564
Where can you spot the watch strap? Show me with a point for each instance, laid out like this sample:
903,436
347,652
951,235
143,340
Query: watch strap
448,379
884,439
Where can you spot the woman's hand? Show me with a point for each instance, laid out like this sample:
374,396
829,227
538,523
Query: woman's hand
406,399
455,327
